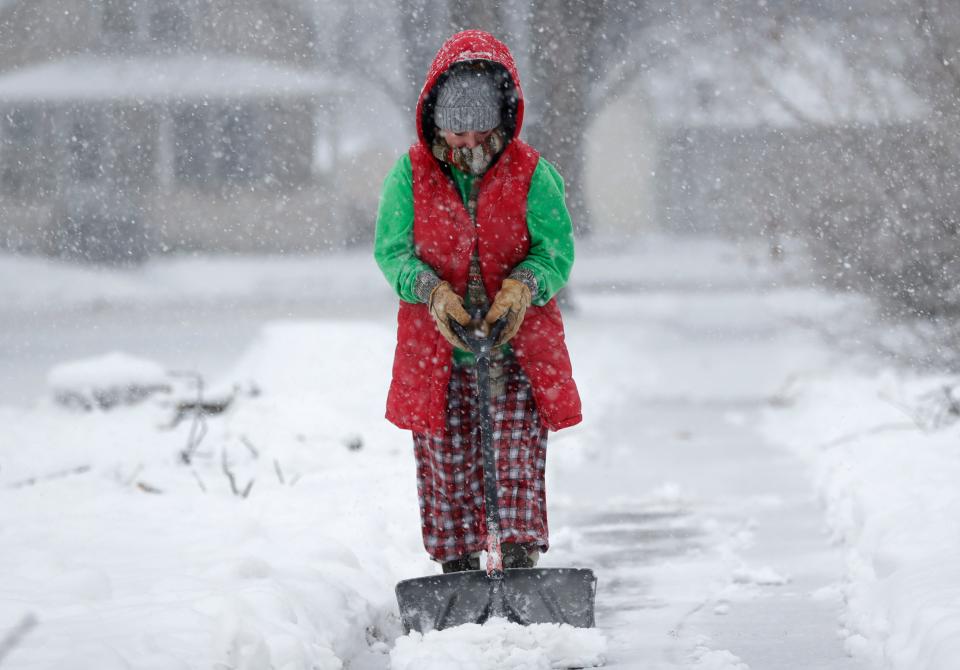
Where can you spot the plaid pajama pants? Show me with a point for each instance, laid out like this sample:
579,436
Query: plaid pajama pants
450,468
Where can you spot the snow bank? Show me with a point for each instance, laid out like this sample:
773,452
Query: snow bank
127,557
500,645
888,480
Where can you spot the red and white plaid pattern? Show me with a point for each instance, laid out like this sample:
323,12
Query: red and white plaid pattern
450,469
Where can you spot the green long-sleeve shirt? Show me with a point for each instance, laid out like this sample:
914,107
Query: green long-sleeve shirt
548,223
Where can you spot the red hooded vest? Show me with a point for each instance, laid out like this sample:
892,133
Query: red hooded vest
445,237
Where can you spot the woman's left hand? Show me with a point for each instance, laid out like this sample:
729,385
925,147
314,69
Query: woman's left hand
511,302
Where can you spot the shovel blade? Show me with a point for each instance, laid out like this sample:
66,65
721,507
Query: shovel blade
524,596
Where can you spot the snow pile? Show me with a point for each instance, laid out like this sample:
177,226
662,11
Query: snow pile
126,556
500,645
765,576
706,659
887,468
106,381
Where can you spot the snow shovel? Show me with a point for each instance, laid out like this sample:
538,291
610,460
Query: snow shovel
521,595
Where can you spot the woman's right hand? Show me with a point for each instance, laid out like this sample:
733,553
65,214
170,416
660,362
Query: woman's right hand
445,304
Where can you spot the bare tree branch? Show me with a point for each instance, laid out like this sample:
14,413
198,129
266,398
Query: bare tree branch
249,445
225,466
930,29
198,429
199,481
83,469
875,430
479,14
15,636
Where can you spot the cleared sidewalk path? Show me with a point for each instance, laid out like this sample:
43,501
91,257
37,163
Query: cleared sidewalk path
710,549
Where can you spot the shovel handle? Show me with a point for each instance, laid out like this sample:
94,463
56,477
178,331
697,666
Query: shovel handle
481,347
477,343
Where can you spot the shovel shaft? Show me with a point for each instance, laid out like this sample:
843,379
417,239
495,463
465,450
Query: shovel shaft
481,347
490,497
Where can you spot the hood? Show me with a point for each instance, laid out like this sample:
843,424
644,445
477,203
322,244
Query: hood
466,46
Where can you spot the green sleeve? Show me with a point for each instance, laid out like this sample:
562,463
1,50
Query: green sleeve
393,246
551,233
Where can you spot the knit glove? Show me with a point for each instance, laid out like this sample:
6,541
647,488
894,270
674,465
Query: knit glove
511,301
444,305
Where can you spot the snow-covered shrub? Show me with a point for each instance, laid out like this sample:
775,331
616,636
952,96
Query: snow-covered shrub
107,381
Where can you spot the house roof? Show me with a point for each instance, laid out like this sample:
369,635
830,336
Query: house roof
181,77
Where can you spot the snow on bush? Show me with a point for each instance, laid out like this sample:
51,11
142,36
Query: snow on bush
500,645
106,381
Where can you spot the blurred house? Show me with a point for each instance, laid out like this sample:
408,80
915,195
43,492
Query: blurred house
130,128
719,138
762,143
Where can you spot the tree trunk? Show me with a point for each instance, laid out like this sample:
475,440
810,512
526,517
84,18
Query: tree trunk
476,14
563,37
420,29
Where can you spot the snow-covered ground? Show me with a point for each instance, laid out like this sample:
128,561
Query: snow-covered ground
884,447
195,314
276,540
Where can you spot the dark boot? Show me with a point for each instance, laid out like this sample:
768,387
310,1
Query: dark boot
461,564
519,555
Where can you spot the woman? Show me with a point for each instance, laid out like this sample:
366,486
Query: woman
473,221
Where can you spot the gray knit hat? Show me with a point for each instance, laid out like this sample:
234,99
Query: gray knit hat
468,99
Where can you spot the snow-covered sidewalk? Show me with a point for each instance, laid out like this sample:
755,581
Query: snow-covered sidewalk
705,535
